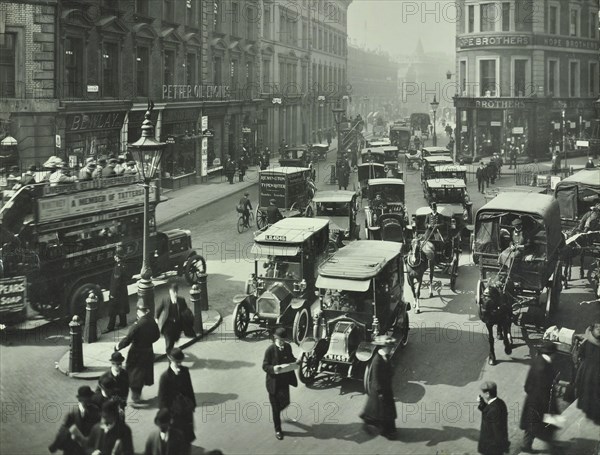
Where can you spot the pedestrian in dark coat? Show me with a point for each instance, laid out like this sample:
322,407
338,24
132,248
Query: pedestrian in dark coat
119,376
140,359
165,440
119,297
243,165
174,317
106,391
279,363
587,381
540,399
111,435
229,169
480,175
343,172
83,417
380,410
329,135
175,393
493,436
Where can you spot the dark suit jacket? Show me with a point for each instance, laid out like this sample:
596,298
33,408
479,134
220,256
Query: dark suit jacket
119,298
273,356
380,404
432,219
176,445
538,386
122,384
273,214
140,359
63,440
493,437
185,315
176,393
98,440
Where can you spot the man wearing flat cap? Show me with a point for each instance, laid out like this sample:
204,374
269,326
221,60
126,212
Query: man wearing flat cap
165,440
279,364
244,207
273,213
81,418
120,377
176,393
539,399
140,359
380,410
493,436
119,297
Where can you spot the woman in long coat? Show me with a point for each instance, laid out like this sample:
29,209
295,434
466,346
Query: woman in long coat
380,410
587,381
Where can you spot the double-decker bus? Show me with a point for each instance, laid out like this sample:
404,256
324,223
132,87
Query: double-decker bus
58,243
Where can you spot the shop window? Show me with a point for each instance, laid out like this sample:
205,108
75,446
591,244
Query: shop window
553,86
169,10
217,77
235,19
110,70
8,67
505,16
593,79
594,25
190,69
574,22
487,77
142,68
553,21
266,70
487,17
574,79
141,7
73,67
471,19
169,68
520,78
267,21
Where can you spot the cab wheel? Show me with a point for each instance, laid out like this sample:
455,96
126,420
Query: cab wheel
331,247
453,274
309,366
404,331
194,266
367,377
301,326
261,219
50,306
77,299
241,320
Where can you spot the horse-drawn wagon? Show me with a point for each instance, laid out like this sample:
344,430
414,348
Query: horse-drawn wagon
361,296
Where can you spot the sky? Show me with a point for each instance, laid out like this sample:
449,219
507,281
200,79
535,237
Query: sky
396,25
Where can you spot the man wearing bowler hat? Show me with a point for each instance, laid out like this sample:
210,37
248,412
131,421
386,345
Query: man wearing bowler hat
493,436
120,377
175,393
540,398
165,440
111,436
119,297
140,359
174,317
79,419
380,410
279,363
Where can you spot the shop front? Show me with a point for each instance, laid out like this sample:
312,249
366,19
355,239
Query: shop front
180,130
571,119
216,125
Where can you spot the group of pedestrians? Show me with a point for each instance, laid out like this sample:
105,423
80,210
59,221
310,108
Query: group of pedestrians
231,166
487,173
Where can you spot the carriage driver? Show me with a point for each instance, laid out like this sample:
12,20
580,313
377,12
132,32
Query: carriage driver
519,243
379,203
432,222
591,220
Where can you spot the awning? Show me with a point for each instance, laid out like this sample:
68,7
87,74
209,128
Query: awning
274,250
344,285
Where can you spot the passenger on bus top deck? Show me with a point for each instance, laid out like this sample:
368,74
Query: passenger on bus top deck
59,176
87,171
131,168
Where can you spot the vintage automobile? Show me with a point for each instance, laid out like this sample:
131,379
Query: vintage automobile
319,151
391,161
281,290
340,208
377,155
491,193
379,142
435,151
576,194
451,193
291,187
449,171
540,267
368,171
428,165
361,296
389,223
299,156
400,137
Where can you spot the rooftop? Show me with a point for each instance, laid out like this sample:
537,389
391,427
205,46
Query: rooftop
334,196
292,230
385,181
446,183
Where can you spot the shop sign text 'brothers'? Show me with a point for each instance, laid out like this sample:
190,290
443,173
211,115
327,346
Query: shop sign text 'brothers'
185,92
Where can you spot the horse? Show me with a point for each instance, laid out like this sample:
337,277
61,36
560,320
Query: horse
495,309
420,257
575,247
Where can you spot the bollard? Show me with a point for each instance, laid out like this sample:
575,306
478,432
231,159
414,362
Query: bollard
76,348
196,300
332,178
90,330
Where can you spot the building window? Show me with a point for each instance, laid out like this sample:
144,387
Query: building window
594,25
250,17
471,19
110,70
593,79
282,80
141,7
574,79
248,74
266,73
233,73
553,86
487,17
142,70
574,22
190,69
169,10
314,38
520,78
487,77
73,67
8,67
235,18
169,68
191,13
462,77
217,77
505,16
304,78
320,39
553,22
304,36
217,15
267,22
325,41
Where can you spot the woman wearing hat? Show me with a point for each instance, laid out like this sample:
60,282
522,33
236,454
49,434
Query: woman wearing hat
279,363
380,410
587,381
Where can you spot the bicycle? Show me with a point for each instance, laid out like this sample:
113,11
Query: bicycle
240,222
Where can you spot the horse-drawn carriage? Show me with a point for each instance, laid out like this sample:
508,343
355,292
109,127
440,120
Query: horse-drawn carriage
290,187
400,136
529,261
387,221
361,296
281,290
391,161
340,208
368,171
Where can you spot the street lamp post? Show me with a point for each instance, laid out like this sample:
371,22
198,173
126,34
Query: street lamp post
563,111
434,106
147,153
337,116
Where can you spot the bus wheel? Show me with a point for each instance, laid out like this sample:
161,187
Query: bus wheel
78,297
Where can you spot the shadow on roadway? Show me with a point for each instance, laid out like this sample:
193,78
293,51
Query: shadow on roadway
435,436
345,432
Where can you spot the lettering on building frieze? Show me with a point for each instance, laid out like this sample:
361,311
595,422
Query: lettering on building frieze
483,41
99,121
181,92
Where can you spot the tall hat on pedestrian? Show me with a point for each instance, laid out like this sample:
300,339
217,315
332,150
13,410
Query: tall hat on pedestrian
176,354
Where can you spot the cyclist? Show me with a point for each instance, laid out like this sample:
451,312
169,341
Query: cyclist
244,207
